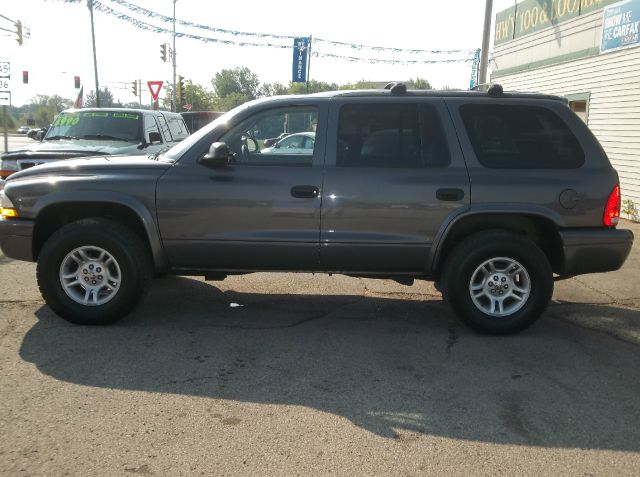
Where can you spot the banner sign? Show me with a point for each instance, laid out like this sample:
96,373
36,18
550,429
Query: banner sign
530,16
620,25
474,69
300,58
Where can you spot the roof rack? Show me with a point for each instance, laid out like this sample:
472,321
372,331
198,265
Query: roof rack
396,88
494,89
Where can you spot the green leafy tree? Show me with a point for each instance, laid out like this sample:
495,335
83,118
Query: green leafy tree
419,83
197,95
106,99
314,87
239,81
229,102
273,89
44,108
362,84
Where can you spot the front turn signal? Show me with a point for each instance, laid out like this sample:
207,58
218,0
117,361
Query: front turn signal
9,213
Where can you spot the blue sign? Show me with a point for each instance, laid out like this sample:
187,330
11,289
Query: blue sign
474,69
620,25
300,58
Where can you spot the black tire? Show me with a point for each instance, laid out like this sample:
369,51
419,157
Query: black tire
127,249
466,259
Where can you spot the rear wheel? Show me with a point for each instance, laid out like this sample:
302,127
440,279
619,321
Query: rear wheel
498,282
93,271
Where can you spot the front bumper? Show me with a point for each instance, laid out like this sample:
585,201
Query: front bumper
594,250
16,238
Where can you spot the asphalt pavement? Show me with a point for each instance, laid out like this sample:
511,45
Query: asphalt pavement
299,374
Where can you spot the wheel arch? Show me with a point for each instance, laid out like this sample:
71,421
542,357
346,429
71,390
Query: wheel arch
61,209
538,227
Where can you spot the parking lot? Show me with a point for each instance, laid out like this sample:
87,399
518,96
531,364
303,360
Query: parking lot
270,374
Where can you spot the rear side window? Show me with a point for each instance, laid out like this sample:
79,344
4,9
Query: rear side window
391,135
178,128
520,137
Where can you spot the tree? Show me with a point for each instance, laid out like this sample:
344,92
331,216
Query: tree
229,102
106,99
362,84
200,98
239,81
419,83
44,108
314,87
273,89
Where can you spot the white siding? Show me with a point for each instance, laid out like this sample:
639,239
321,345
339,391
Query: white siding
613,80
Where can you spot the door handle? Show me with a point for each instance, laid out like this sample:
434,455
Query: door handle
449,194
304,191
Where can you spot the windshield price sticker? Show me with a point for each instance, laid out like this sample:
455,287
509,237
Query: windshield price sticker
125,116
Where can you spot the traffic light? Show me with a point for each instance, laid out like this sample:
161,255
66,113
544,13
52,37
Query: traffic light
76,82
180,88
163,52
25,77
134,88
19,32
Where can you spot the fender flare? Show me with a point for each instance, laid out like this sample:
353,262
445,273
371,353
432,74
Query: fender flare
136,206
435,254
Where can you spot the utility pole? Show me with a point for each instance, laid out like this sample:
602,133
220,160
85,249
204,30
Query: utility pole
173,96
95,59
140,92
484,54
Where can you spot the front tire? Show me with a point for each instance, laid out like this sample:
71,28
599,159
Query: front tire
498,282
93,271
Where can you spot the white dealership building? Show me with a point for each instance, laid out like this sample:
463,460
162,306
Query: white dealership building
589,52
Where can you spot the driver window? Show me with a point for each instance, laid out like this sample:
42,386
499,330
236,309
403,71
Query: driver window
150,127
282,136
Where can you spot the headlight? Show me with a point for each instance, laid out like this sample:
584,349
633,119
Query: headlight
7,209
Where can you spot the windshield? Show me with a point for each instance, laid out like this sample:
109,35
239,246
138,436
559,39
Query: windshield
183,146
96,125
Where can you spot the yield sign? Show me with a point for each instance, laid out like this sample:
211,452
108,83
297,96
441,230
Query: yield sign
154,88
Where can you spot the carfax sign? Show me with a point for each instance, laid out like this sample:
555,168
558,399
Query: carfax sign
620,25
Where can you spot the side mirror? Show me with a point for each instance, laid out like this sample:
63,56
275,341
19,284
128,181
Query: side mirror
154,137
219,155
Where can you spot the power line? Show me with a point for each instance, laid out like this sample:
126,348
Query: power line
164,18
156,29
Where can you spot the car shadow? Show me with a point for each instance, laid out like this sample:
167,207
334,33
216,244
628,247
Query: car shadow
396,367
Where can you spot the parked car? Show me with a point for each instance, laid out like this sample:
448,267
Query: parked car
22,130
384,193
298,143
34,132
97,132
199,119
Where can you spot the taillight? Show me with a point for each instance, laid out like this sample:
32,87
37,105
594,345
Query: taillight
612,209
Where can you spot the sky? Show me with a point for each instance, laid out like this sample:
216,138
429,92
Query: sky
59,46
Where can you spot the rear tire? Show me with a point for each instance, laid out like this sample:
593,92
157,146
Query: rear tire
93,271
498,282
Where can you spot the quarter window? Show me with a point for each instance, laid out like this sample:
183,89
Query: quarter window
391,135
520,137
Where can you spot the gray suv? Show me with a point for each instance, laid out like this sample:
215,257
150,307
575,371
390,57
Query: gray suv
491,195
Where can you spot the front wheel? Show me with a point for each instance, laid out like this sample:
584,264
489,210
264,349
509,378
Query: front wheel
498,282
93,271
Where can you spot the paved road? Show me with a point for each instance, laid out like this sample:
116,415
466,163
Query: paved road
313,375
17,141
